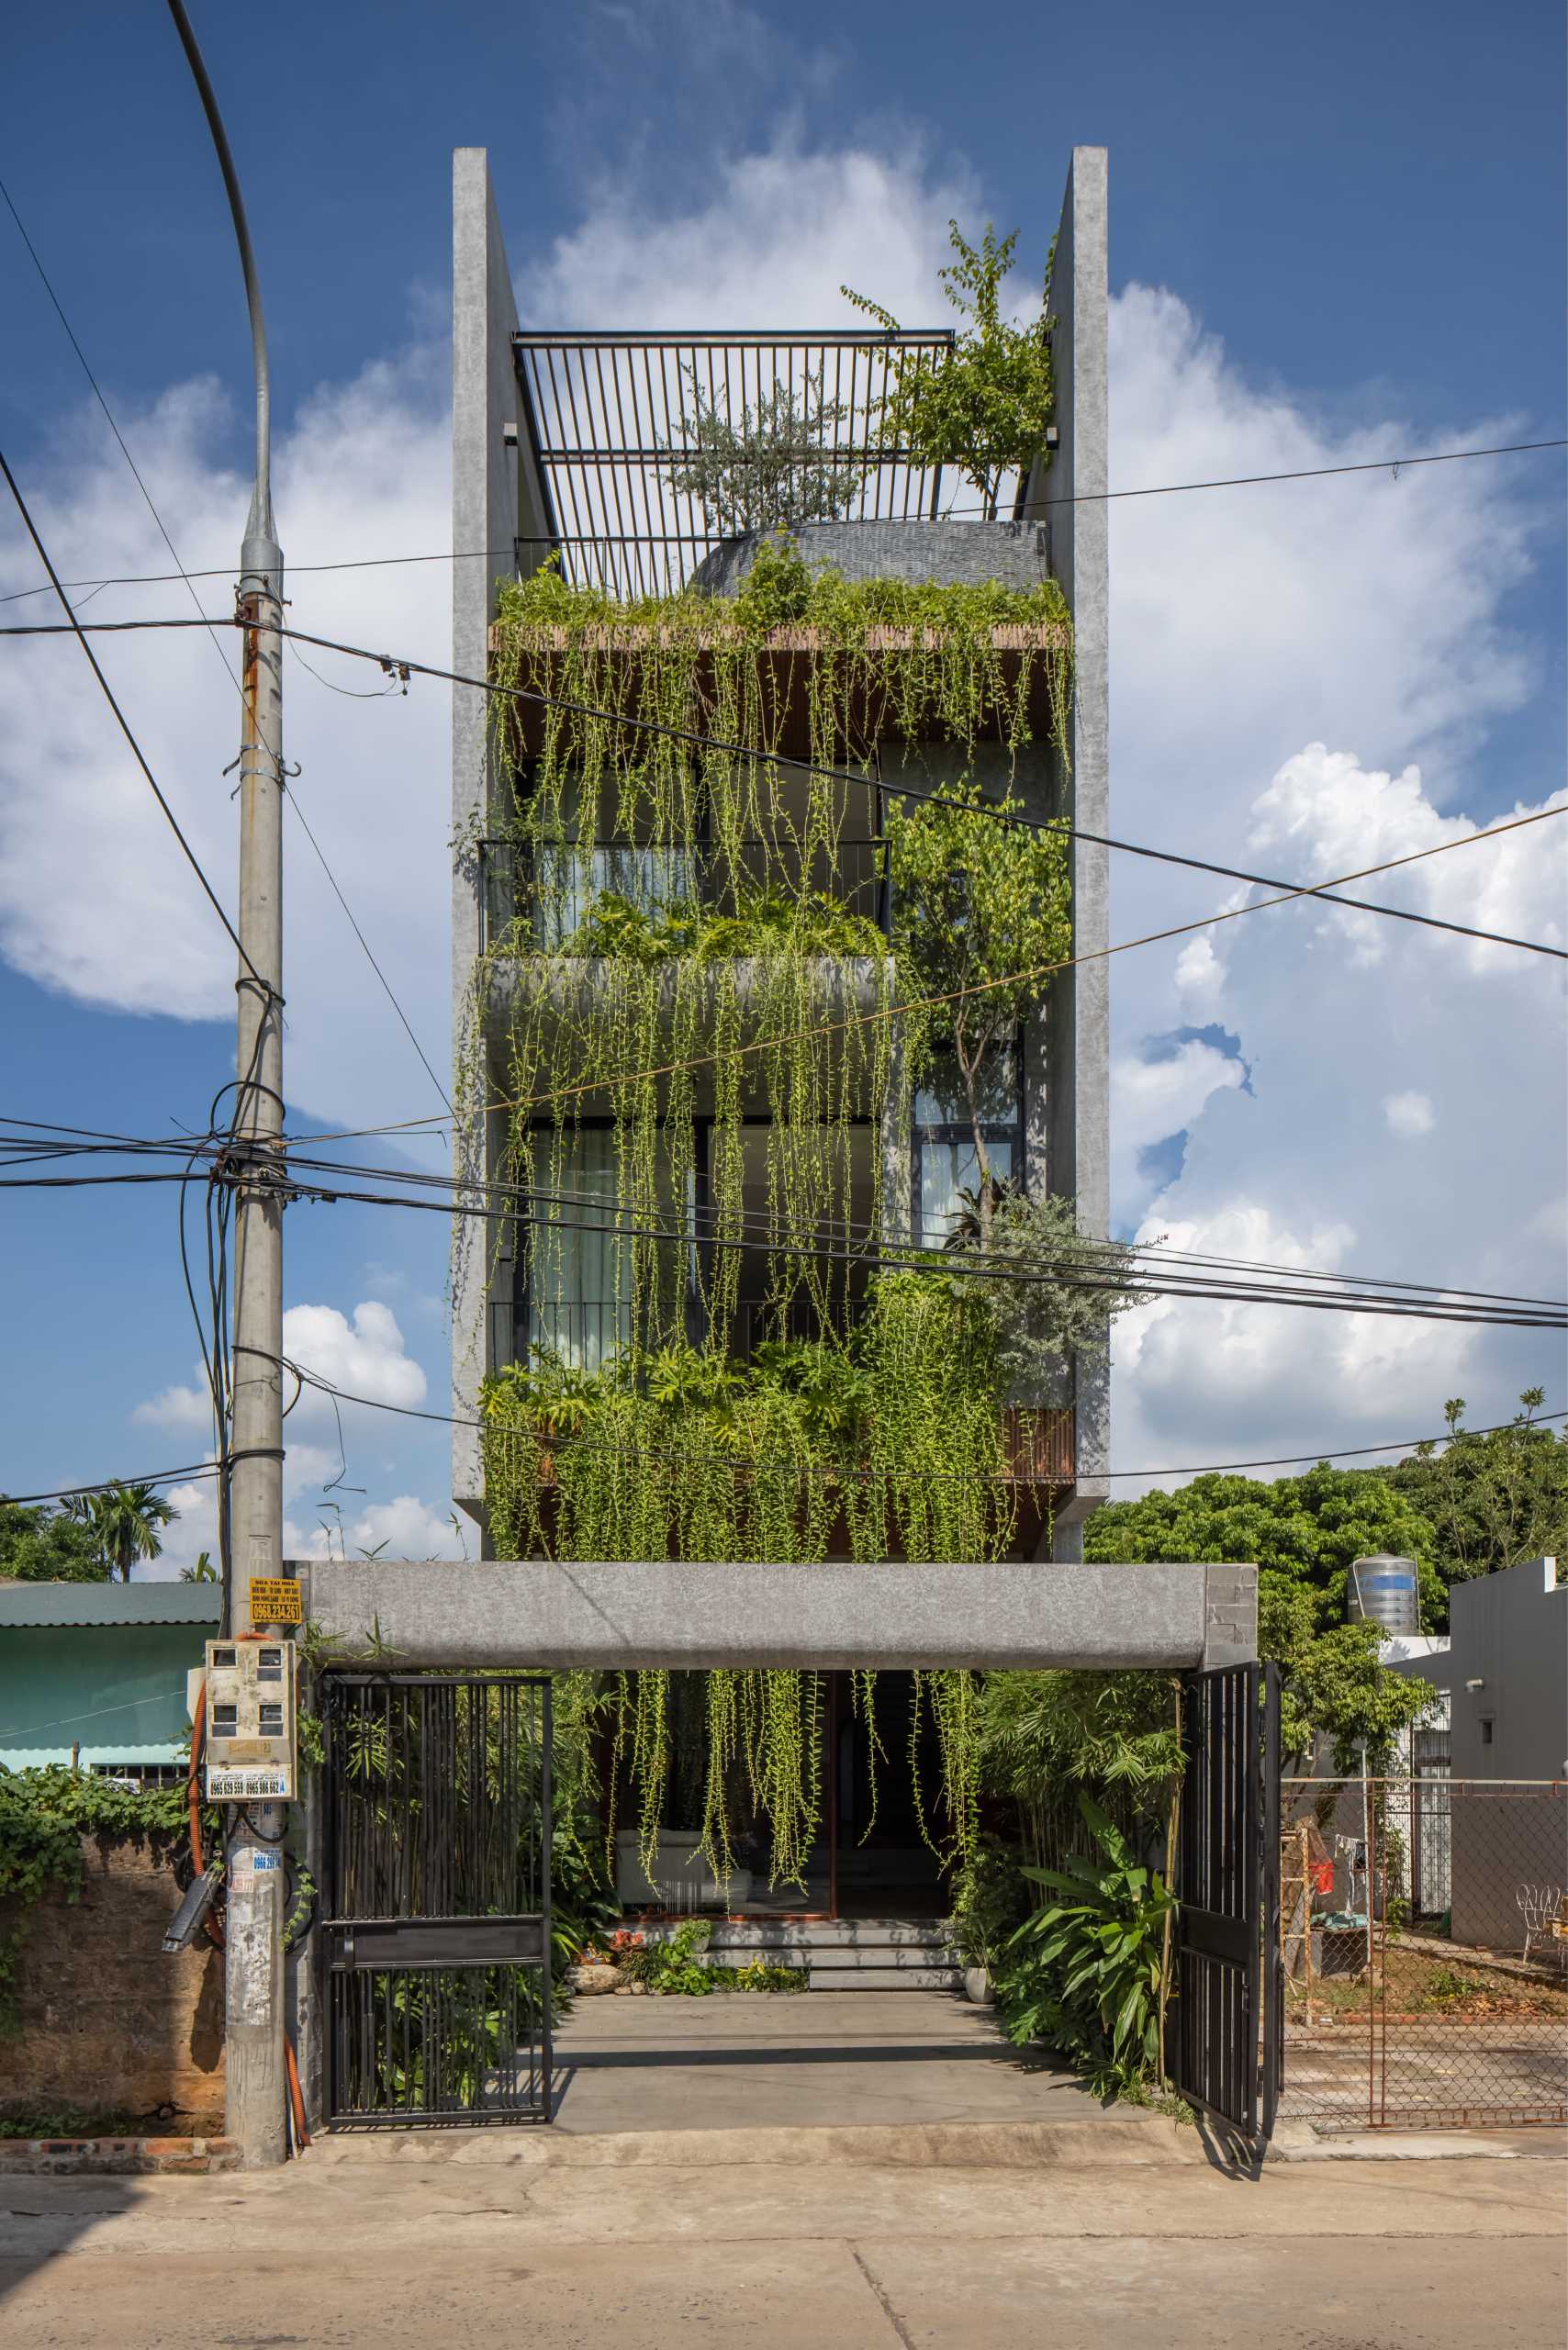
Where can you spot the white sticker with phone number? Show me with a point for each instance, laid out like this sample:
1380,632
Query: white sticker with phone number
231,1786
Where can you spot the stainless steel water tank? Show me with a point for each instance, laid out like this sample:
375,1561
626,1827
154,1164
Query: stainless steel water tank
1383,1590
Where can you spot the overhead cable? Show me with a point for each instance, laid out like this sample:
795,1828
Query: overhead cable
1083,497
758,1227
1014,818
1033,973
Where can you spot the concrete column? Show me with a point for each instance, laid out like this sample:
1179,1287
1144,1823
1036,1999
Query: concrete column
1079,1020
497,498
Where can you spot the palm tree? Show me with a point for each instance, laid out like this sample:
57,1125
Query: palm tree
124,1521
203,1572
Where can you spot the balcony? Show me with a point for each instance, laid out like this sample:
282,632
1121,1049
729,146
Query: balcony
533,900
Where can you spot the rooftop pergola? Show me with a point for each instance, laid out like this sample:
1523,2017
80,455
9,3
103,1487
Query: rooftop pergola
610,414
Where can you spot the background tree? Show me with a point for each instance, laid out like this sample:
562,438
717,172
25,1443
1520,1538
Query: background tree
203,1572
1333,1683
1308,1528
1490,1500
1303,1534
42,1545
984,408
124,1523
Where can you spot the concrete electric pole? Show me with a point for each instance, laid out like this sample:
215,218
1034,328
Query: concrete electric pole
254,1995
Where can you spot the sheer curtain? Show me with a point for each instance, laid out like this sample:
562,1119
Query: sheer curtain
579,1293
947,1169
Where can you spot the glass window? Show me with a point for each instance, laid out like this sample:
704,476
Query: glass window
947,1170
568,880
943,1101
579,1267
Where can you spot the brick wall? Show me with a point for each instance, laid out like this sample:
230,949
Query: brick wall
108,2021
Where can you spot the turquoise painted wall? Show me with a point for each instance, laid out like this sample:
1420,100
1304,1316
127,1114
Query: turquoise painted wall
117,1688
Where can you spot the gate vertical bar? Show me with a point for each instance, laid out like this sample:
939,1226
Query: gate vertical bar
546,1841
1273,1959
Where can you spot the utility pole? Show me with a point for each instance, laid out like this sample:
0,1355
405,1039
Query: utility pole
254,1974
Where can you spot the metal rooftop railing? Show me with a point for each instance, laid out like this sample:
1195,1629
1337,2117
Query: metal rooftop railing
654,447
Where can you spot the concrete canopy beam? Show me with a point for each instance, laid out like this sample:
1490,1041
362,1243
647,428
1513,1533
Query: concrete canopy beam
611,1615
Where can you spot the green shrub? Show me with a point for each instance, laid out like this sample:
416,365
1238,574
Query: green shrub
1084,1973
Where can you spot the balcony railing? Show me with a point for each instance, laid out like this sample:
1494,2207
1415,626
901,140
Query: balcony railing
555,889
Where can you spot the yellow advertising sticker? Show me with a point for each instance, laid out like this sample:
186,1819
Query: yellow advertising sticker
275,1599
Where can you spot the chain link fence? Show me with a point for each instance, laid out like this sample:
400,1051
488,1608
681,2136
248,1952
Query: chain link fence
1424,1934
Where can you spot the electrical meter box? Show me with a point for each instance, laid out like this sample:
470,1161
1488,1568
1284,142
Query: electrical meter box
249,1721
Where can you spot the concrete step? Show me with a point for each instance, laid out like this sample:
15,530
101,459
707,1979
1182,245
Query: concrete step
762,1936
885,1979
899,1956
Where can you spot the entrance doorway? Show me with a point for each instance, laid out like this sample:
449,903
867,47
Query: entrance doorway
885,1780
880,1778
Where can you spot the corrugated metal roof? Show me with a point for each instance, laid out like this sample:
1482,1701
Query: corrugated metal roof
110,1603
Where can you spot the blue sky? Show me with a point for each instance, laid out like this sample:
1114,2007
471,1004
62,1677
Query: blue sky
1337,232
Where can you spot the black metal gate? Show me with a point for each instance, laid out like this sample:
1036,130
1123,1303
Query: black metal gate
1225,2030
437,1898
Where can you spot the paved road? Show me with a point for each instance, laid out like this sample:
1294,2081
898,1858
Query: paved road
804,2254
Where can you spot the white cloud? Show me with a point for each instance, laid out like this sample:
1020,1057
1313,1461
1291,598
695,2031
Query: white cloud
1409,1114
404,1528
781,234
1151,1100
326,1446
1303,679
1199,978
365,1355
95,899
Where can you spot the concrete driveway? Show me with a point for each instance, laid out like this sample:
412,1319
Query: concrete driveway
809,2059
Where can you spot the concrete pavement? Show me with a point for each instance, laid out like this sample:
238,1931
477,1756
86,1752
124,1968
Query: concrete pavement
903,2058
351,2250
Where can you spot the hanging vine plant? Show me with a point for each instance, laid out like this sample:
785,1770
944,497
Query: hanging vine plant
695,948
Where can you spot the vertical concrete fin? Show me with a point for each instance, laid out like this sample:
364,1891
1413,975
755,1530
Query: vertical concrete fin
1078,1015
485,515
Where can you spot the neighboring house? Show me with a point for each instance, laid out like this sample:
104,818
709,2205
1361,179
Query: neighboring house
1503,1668
95,1673
1501,1739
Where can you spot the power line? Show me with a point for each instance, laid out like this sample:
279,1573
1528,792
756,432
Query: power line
970,1266
114,427
760,1229
1033,973
900,790
1088,497
369,957
107,1484
124,728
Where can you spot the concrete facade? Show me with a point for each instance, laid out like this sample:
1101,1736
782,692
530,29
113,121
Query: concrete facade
1504,1667
498,502
495,498
689,1615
